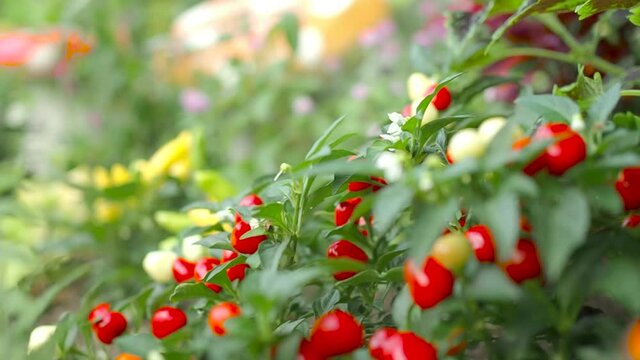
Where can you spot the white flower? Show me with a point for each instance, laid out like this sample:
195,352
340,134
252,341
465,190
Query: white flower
39,336
159,265
191,251
397,118
391,164
154,355
225,215
577,123
426,182
254,223
394,130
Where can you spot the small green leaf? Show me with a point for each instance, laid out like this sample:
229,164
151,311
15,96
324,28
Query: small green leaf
138,344
430,220
491,284
389,204
601,109
551,107
619,279
401,307
253,232
218,240
501,213
560,223
592,7
323,138
190,291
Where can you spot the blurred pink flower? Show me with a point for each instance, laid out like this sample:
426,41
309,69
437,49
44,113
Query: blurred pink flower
360,91
434,31
378,34
303,105
194,101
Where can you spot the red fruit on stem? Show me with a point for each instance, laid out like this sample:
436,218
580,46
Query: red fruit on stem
356,186
167,320
248,245
568,150
429,284
237,272
525,263
442,99
307,352
379,340
344,210
183,270
628,186
336,333
202,268
251,200
98,312
632,221
412,347
537,164
228,255
482,243
346,249
110,326
219,314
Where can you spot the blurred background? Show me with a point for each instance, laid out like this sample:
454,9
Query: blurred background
115,114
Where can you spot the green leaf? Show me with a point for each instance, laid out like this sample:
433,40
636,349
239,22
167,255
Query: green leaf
401,307
560,223
218,240
289,24
601,109
324,138
491,284
368,276
592,7
214,185
551,107
138,344
634,15
619,279
288,327
501,213
430,220
190,291
121,192
253,232
389,204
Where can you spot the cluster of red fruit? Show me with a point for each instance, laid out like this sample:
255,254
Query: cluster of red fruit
342,215
338,333
432,281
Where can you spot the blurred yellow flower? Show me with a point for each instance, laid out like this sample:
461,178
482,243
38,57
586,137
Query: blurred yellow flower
171,153
120,175
101,178
107,211
180,169
203,217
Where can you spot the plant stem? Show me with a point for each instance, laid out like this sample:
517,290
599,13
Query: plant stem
563,57
551,21
630,93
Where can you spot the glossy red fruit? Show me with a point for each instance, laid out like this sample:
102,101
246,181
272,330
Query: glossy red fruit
568,150
428,284
248,245
219,314
183,270
98,312
628,186
632,221
525,263
482,243
336,333
110,326
379,340
356,186
307,352
167,320
228,255
411,347
536,165
442,100
251,200
346,249
344,210
202,268
237,272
